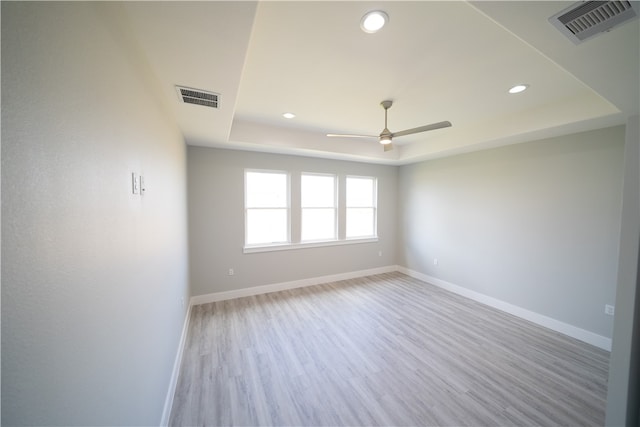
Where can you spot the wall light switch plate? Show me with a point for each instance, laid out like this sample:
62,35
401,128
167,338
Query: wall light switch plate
135,183
609,309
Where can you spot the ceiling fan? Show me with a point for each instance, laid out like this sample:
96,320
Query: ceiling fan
386,135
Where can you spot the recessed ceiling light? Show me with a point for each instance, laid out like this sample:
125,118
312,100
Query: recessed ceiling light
518,88
288,115
373,21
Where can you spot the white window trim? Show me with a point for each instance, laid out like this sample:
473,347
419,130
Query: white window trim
335,207
306,245
288,206
339,240
374,207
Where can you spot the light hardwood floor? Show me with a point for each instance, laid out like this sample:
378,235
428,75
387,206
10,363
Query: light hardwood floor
382,350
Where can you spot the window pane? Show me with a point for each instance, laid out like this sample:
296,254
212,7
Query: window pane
266,226
318,191
266,190
318,224
360,222
360,192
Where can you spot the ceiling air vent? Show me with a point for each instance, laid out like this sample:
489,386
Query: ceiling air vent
198,97
586,19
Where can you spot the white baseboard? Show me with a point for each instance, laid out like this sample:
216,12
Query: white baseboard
542,320
265,289
173,382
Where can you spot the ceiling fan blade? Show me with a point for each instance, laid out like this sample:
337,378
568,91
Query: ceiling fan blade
388,147
340,135
432,126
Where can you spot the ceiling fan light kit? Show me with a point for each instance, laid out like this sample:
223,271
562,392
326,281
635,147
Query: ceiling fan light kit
386,136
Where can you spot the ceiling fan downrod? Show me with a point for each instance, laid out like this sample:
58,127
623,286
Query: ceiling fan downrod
385,135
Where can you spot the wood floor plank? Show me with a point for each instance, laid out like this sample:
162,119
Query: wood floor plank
381,350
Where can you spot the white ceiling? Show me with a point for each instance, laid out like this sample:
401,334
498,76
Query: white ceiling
437,61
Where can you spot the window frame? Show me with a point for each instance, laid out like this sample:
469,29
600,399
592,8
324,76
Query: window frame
334,208
374,207
294,213
287,175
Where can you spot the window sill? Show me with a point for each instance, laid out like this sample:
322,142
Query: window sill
306,245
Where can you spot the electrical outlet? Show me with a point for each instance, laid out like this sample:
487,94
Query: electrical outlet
609,309
231,272
435,261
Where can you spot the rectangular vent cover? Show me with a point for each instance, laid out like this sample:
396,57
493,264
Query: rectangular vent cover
198,97
586,19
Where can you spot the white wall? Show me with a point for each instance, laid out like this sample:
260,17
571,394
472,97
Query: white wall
216,223
92,275
535,225
624,366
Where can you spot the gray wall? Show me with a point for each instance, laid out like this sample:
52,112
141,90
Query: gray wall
623,395
216,223
536,225
92,275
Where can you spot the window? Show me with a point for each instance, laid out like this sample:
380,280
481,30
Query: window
292,209
318,202
266,207
361,207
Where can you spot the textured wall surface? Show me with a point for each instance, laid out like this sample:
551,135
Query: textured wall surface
92,275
